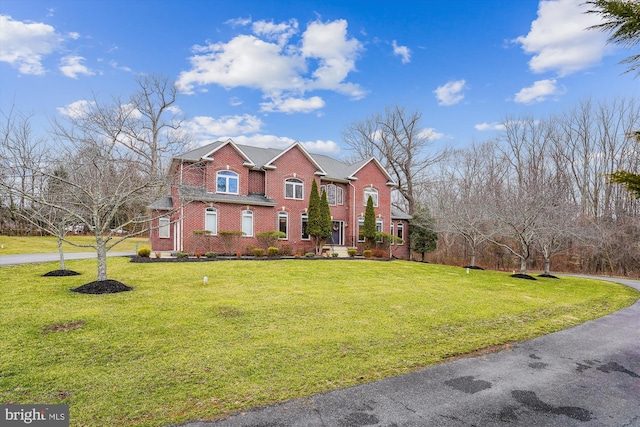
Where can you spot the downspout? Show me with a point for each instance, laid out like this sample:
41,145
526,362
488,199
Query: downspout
180,222
354,224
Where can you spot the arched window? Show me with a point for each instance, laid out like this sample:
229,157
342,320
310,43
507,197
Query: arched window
294,189
227,182
247,223
211,220
370,191
331,194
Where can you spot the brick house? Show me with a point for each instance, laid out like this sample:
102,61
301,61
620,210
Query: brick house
225,186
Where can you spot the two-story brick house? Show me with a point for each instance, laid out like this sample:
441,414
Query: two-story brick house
224,186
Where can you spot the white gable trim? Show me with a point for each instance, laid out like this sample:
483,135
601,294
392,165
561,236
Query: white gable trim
319,171
377,163
247,161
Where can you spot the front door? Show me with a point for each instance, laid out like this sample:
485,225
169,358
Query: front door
337,230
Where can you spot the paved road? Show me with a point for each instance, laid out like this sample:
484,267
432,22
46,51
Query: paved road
34,258
585,376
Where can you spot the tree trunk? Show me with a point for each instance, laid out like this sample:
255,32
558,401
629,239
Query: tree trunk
473,257
523,266
547,265
101,251
61,252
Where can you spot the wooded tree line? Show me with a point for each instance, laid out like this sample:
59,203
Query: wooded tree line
539,195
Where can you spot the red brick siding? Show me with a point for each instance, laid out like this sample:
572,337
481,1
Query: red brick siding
227,156
256,182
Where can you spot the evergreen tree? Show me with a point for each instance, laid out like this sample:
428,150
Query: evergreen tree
369,228
423,236
314,217
325,217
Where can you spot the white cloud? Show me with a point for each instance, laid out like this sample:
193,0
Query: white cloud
71,67
238,22
204,127
450,93
117,66
280,33
402,51
282,68
559,39
76,109
540,91
431,134
24,44
490,126
293,105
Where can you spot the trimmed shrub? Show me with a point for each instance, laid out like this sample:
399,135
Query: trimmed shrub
258,252
273,251
334,255
211,255
352,252
368,253
182,255
380,253
144,252
310,255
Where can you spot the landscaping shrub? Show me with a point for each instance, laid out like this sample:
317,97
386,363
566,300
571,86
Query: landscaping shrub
380,253
144,252
182,255
211,255
309,254
285,250
258,252
352,252
368,253
273,251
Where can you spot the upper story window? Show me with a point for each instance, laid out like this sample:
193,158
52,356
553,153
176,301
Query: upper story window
331,194
340,196
227,182
373,193
294,189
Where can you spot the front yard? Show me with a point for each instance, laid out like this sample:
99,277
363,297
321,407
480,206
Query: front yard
175,349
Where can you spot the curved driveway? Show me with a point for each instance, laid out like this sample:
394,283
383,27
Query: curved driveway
52,257
588,375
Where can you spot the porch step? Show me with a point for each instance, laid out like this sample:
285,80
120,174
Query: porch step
340,250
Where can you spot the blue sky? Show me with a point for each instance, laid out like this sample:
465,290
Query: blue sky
268,73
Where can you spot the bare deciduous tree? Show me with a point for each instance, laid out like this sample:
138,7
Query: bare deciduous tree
399,141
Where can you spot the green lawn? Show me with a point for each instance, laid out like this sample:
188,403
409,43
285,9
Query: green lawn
42,245
175,350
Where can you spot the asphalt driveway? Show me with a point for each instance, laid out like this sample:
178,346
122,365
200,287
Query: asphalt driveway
52,257
588,375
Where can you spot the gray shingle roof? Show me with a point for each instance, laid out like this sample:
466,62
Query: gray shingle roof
163,204
398,214
190,193
335,169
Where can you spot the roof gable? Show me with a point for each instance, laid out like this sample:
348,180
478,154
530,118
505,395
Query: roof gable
359,166
247,161
270,163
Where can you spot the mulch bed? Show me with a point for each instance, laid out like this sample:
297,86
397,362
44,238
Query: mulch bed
61,273
550,276
473,267
102,287
523,276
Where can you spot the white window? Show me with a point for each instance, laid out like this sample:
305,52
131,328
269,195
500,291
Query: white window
360,229
373,193
283,224
247,223
391,233
379,228
340,195
401,232
331,194
211,220
227,182
294,189
164,230
303,228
